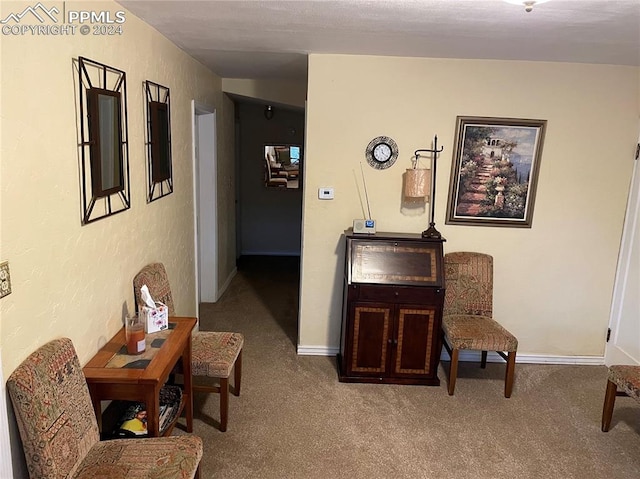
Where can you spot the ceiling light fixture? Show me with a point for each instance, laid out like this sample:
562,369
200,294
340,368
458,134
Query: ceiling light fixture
528,4
268,112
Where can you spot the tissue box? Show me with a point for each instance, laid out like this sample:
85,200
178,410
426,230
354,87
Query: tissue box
155,319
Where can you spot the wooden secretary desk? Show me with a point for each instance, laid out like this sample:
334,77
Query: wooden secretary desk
392,309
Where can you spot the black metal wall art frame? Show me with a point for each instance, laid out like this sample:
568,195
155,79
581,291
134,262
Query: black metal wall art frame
104,148
158,116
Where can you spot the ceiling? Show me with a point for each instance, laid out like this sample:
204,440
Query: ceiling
270,39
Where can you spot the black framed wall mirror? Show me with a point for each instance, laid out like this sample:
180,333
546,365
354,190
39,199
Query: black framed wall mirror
105,136
103,146
282,166
159,166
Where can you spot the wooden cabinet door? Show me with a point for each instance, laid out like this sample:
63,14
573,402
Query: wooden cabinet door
371,326
415,341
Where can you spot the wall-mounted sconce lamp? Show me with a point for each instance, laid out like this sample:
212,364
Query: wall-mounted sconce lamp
268,112
421,183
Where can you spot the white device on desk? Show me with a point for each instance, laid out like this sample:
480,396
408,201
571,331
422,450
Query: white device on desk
366,226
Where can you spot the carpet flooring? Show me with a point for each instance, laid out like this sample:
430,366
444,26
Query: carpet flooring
294,419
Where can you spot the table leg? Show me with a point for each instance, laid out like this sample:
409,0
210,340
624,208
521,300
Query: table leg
188,384
152,401
97,407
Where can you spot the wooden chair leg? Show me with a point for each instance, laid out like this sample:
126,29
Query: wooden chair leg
453,371
224,403
508,381
237,374
483,360
609,402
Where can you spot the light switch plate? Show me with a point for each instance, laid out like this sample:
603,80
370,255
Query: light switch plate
5,279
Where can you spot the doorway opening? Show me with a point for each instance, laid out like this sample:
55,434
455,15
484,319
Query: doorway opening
205,202
268,218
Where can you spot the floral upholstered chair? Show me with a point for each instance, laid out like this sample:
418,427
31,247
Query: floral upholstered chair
625,378
213,354
59,430
467,321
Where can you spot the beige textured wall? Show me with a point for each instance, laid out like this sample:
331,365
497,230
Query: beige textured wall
278,91
72,280
226,192
553,282
262,208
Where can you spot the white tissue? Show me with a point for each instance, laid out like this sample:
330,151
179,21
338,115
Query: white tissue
146,297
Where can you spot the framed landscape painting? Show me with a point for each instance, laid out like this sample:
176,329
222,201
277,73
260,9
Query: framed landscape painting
495,171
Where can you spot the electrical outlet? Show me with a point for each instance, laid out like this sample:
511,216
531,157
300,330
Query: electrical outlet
5,279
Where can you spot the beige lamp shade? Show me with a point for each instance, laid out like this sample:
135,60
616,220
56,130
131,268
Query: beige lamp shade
417,183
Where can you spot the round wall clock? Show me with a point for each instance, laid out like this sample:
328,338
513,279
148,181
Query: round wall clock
381,152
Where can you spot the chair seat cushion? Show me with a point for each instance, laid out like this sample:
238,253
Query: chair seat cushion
169,457
213,354
626,378
465,331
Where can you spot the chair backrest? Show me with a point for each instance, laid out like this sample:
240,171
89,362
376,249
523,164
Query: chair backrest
154,275
268,168
53,409
469,284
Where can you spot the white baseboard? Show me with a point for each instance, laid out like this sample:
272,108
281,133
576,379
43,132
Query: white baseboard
226,284
317,351
474,356
270,253
493,357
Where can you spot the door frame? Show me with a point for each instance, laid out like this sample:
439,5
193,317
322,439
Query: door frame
205,219
6,462
614,354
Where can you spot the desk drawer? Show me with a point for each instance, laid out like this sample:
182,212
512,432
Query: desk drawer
397,294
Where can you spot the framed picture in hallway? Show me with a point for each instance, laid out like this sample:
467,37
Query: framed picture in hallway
495,171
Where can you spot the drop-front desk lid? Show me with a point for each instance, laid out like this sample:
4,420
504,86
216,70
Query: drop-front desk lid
394,258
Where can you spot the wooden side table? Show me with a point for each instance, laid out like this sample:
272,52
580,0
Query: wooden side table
113,374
